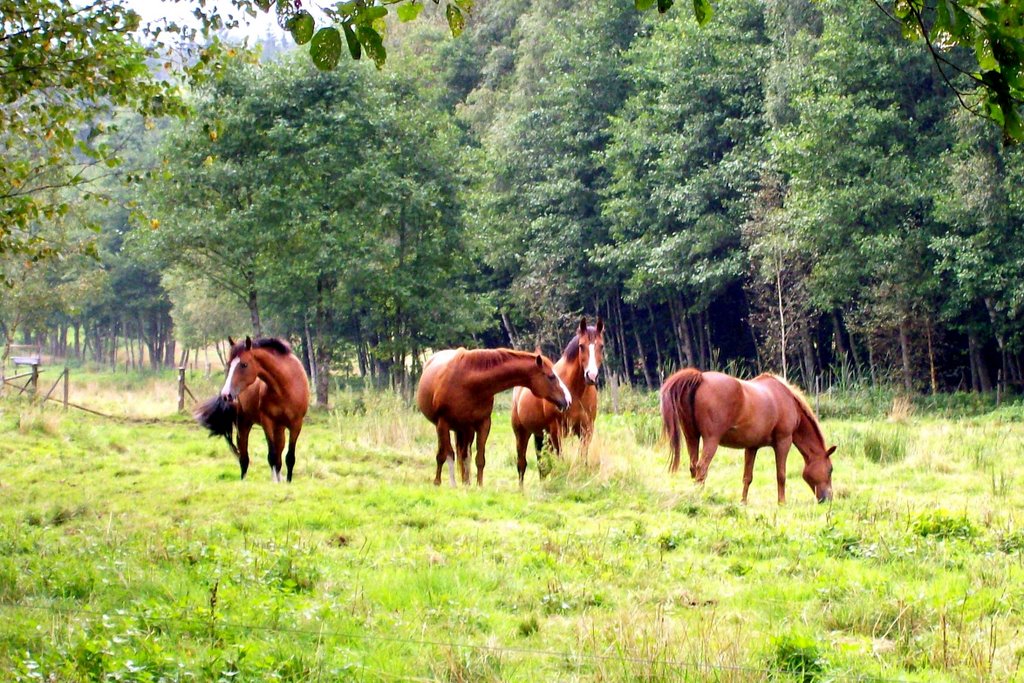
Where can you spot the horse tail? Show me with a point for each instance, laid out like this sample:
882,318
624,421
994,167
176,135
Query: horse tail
219,416
677,407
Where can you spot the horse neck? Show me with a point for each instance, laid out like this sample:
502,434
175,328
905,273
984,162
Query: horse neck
271,371
807,437
572,374
511,370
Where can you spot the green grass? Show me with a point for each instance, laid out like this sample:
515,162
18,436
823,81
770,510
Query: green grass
130,551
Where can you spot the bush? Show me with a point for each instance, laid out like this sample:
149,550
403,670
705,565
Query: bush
797,656
942,525
886,445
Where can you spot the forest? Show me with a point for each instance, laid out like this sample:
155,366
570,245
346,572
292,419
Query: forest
792,187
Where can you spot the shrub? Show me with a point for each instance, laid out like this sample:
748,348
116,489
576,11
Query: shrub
796,656
886,445
941,524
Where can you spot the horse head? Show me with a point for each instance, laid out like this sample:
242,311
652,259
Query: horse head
548,385
591,349
243,370
818,475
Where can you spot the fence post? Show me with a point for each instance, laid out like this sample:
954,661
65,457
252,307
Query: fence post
66,372
181,389
35,379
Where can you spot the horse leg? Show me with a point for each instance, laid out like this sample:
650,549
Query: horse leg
243,446
748,469
293,436
522,443
463,440
481,441
692,448
275,444
585,430
444,451
710,446
781,453
555,432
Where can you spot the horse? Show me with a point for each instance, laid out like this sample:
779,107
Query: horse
578,368
766,411
266,384
456,393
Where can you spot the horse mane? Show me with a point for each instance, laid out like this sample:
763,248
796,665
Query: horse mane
572,349
485,359
801,402
274,344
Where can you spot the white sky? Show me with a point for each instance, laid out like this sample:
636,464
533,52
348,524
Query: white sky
252,28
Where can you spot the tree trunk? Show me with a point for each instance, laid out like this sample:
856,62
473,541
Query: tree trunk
254,312
810,369
78,348
513,338
984,381
643,358
932,378
621,333
908,380
837,335
660,367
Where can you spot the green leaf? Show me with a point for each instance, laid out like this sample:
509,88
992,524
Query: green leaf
665,5
353,43
373,44
456,22
368,15
326,48
409,11
264,4
643,5
301,27
354,48
702,11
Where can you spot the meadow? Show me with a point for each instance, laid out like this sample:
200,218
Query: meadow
129,550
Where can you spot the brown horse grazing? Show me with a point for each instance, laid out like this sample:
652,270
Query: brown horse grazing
578,368
266,384
766,411
456,393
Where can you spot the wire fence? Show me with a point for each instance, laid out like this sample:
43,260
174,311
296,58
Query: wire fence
697,667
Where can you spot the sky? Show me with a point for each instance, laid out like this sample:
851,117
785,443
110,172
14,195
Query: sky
252,28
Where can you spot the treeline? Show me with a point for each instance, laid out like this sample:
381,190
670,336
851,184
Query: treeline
793,188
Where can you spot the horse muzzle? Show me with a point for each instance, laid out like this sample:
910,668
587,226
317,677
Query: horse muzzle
591,380
825,496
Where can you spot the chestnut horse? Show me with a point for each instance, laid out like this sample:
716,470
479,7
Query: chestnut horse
266,384
578,368
766,411
456,393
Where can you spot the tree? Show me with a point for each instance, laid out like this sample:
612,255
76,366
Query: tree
64,68
977,45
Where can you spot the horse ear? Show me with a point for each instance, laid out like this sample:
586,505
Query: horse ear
540,360
830,451
583,326
248,342
600,325
231,342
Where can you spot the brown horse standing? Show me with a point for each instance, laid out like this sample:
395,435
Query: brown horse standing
266,384
578,367
456,393
726,411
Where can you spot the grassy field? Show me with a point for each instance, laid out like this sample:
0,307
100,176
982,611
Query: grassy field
130,551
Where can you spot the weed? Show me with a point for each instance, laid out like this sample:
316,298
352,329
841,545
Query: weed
943,525
886,445
797,656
